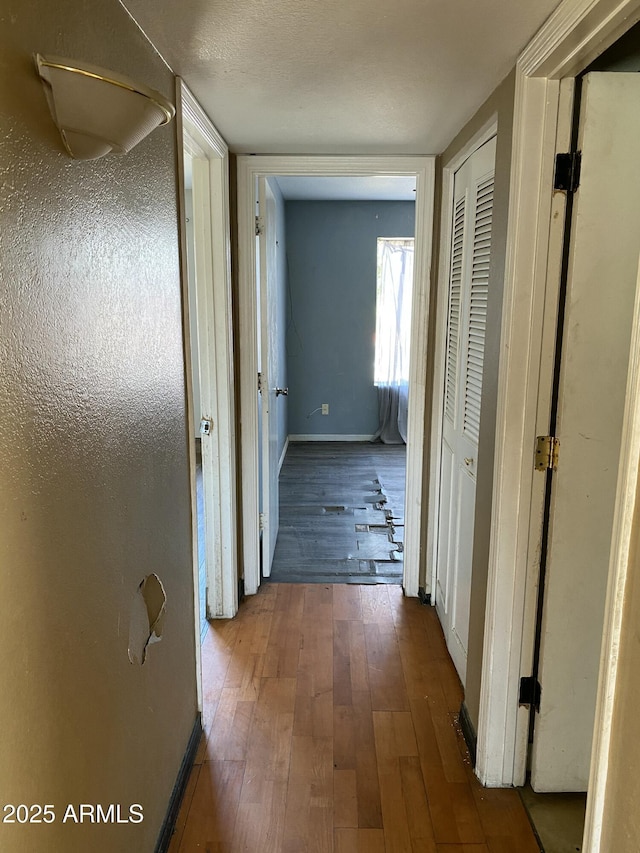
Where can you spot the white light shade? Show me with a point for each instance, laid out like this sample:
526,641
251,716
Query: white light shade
98,111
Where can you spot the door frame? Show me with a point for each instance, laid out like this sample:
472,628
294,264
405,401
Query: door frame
449,169
249,169
197,134
575,34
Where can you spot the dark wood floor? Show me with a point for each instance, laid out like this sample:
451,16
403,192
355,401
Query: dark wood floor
341,513
331,726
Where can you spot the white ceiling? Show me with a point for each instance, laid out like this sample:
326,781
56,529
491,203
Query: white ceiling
340,76
347,189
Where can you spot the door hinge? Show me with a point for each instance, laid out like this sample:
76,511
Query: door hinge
259,381
530,691
547,452
259,226
567,174
261,521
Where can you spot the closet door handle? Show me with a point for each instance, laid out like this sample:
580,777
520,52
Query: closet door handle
283,391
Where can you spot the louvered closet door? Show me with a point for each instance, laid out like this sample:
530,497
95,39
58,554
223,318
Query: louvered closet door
464,358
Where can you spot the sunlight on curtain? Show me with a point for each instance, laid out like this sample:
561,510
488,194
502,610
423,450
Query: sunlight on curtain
393,323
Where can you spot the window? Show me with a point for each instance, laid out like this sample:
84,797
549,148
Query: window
393,310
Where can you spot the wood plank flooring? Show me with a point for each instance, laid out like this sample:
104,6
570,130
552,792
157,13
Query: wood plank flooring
331,727
341,513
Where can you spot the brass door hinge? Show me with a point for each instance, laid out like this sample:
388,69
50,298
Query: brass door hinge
547,450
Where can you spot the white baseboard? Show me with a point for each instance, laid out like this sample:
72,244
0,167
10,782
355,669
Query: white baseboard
283,454
330,437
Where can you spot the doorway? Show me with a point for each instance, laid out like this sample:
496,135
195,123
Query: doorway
594,337
250,171
206,278
542,108
588,410
340,305
563,47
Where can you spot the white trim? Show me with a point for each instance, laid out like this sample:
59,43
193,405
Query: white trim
628,478
249,169
204,141
501,756
574,35
545,325
283,454
330,437
191,442
486,132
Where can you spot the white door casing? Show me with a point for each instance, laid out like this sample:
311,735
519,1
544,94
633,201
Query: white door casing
269,335
250,168
212,251
470,249
601,285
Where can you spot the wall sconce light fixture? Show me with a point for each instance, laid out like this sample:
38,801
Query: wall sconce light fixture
97,111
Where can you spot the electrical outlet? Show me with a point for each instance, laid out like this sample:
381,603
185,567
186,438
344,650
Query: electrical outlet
325,408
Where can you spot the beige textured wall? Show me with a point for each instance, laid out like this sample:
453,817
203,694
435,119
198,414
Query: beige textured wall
500,103
93,448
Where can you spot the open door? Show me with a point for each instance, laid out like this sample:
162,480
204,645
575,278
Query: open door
466,320
208,541
591,382
270,333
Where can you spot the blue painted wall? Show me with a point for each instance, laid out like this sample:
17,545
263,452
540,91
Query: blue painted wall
331,250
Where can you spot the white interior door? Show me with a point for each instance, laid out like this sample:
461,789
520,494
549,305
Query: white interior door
466,321
204,322
269,334
603,266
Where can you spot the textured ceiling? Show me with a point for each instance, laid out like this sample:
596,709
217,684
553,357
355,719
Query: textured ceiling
300,188
340,76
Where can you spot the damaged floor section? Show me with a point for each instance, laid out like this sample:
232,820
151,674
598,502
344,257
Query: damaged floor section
341,513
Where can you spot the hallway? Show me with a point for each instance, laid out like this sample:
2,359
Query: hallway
330,715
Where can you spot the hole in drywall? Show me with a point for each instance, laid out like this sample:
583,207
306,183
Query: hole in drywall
147,617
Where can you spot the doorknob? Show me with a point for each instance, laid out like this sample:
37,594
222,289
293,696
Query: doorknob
283,391
468,461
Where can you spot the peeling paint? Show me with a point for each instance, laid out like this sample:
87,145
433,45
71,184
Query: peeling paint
148,610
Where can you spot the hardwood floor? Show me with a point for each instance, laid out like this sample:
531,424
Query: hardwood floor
331,727
341,513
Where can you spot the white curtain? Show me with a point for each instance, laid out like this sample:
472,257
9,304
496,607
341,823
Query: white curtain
393,323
